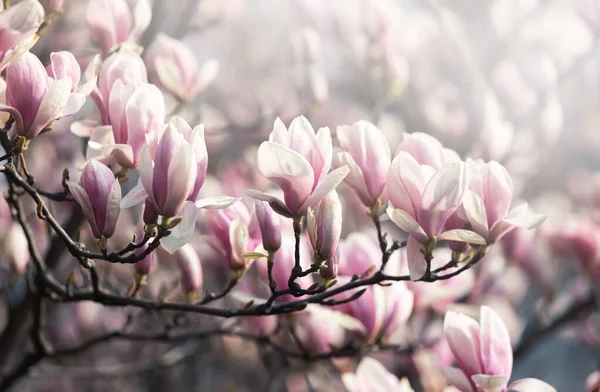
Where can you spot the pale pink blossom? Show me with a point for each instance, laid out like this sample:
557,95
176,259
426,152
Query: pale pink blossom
298,161
422,199
175,68
367,154
488,200
483,353
114,22
35,99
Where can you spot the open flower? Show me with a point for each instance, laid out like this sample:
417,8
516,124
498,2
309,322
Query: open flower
483,353
422,199
174,68
367,154
35,99
98,194
298,162
488,200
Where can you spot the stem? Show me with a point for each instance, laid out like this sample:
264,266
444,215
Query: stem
270,263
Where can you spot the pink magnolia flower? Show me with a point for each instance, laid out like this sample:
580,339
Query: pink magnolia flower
175,69
36,100
367,154
483,353
98,194
18,26
422,200
372,376
427,150
125,66
298,162
169,177
231,234
114,22
134,113
325,225
488,200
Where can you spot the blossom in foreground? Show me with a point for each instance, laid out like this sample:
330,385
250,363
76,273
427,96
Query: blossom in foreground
174,68
114,22
367,154
484,355
35,99
422,199
372,376
298,161
170,175
98,194
488,200
19,24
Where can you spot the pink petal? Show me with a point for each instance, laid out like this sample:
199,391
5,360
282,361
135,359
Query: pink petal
462,335
183,232
496,349
329,183
457,378
112,209
289,171
81,197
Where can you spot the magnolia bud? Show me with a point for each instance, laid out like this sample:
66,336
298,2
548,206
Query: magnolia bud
190,268
269,225
325,225
98,194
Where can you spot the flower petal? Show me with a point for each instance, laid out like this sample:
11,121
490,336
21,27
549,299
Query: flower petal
183,232
329,183
462,236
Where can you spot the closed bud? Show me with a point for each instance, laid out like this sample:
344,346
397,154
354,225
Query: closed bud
190,269
325,226
98,194
269,225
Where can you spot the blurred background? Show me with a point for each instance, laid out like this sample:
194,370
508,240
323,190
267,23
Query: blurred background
515,81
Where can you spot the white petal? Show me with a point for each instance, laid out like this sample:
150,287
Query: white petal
462,236
183,232
530,385
475,210
216,203
327,184
135,196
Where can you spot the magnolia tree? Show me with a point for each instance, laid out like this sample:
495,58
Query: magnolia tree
326,207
